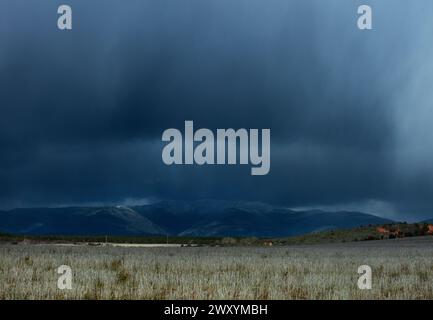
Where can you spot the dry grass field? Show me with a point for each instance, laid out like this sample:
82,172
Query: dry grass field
402,269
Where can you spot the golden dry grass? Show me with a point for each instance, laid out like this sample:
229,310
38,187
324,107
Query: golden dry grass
401,270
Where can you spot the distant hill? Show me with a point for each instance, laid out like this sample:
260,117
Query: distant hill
181,218
364,233
77,221
278,222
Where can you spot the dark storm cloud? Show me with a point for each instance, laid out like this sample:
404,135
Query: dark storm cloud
82,112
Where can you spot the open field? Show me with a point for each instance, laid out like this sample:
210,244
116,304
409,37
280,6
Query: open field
402,269
360,233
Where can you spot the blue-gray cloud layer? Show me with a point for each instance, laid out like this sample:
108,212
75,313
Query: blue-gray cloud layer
82,112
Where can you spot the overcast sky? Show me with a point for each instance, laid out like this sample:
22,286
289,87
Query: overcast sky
350,111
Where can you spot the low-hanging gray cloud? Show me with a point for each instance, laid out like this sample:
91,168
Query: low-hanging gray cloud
82,111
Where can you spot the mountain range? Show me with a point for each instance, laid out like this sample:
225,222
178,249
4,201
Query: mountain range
181,218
